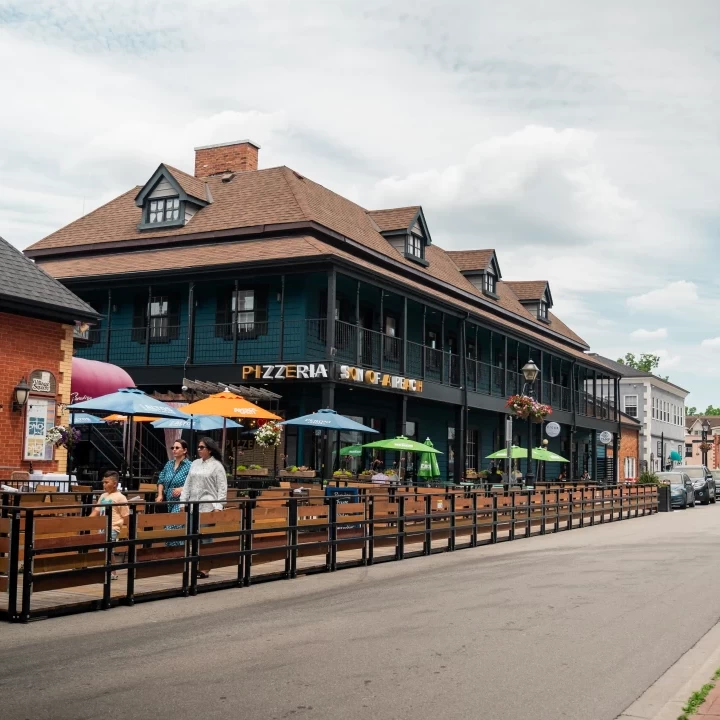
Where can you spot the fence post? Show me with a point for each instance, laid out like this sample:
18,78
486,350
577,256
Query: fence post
571,509
332,518
451,534
28,564
107,579
195,547
293,535
427,544
14,569
494,528
528,523
370,530
247,545
400,540
543,511
473,539
511,532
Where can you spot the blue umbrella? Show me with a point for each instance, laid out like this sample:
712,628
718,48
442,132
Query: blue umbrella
196,422
85,419
329,420
129,402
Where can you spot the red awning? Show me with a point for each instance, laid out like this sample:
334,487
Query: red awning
91,379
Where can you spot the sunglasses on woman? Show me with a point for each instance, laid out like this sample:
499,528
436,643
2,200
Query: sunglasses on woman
202,447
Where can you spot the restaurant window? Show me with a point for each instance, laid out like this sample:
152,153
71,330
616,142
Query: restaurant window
433,353
390,341
415,246
631,405
156,319
688,450
471,450
163,210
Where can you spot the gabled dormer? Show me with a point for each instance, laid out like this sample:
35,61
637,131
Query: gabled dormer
170,198
405,229
535,297
480,267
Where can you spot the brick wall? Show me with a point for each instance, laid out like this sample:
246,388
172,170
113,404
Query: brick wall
629,447
28,345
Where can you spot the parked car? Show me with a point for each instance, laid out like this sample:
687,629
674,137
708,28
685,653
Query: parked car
682,492
703,482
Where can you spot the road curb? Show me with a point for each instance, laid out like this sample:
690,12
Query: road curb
666,697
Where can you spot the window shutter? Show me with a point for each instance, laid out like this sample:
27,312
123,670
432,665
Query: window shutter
173,316
223,314
139,324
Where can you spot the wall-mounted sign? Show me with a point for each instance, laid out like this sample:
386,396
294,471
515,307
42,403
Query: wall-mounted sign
39,419
373,377
552,429
605,437
43,381
284,371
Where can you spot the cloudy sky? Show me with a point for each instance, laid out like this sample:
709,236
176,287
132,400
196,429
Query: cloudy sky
579,139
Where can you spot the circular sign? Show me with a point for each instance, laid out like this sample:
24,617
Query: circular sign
552,429
605,437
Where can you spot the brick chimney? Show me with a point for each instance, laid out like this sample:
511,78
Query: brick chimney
226,157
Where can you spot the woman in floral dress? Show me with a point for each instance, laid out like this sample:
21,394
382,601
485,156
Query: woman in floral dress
171,482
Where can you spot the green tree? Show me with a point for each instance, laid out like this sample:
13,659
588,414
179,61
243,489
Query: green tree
710,410
692,410
647,362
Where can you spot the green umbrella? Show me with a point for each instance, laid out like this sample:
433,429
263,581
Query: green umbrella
515,453
352,450
402,444
427,463
676,456
547,455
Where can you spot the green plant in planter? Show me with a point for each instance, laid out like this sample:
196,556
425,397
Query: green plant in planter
240,468
255,467
342,473
648,477
293,468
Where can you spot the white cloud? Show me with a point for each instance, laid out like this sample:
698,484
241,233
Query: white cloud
679,297
641,334
711,342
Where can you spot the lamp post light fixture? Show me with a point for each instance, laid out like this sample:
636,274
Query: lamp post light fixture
20,395
530,372
705,431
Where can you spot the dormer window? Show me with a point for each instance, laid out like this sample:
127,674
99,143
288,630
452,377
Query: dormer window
543,310
489,284
415,246
164,210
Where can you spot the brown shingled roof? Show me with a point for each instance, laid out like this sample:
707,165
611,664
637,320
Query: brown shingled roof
189,183
254,200
394,218
527,289
468,260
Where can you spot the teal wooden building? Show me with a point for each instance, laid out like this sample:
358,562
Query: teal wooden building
244,275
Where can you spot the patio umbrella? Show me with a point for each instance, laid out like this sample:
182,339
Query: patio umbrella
547,456
131,403
515,454
352,451
428,464
197,422
115,417
85,419
228,405
327,420
402,444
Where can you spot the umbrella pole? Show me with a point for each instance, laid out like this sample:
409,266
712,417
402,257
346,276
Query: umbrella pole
235,456
224,436
131,442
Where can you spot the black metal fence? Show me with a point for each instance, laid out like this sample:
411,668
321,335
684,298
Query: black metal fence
54,547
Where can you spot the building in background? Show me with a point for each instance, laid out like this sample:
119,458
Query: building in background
629,457
659,405
261,276
693,454
38,319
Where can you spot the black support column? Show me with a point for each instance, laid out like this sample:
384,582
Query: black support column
191,323
593,456
327,401
330,315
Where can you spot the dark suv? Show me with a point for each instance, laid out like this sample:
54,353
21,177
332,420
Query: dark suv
702,480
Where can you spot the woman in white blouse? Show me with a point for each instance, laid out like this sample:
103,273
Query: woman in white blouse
207,481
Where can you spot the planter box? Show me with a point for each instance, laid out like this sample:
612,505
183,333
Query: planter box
298,474
262,472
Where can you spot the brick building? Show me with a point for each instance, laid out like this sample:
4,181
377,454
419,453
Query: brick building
693,454
629,450
37,320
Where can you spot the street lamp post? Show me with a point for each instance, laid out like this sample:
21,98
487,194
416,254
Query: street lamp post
530,372
705,431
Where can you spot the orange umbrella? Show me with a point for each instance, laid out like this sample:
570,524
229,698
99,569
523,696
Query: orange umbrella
228,405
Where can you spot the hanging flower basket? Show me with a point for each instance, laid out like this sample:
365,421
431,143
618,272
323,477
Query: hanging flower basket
60,436
705,446
268,435
526,407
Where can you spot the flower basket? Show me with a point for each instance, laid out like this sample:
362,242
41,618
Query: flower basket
268,435
525,407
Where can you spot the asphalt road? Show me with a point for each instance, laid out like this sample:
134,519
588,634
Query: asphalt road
575,625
